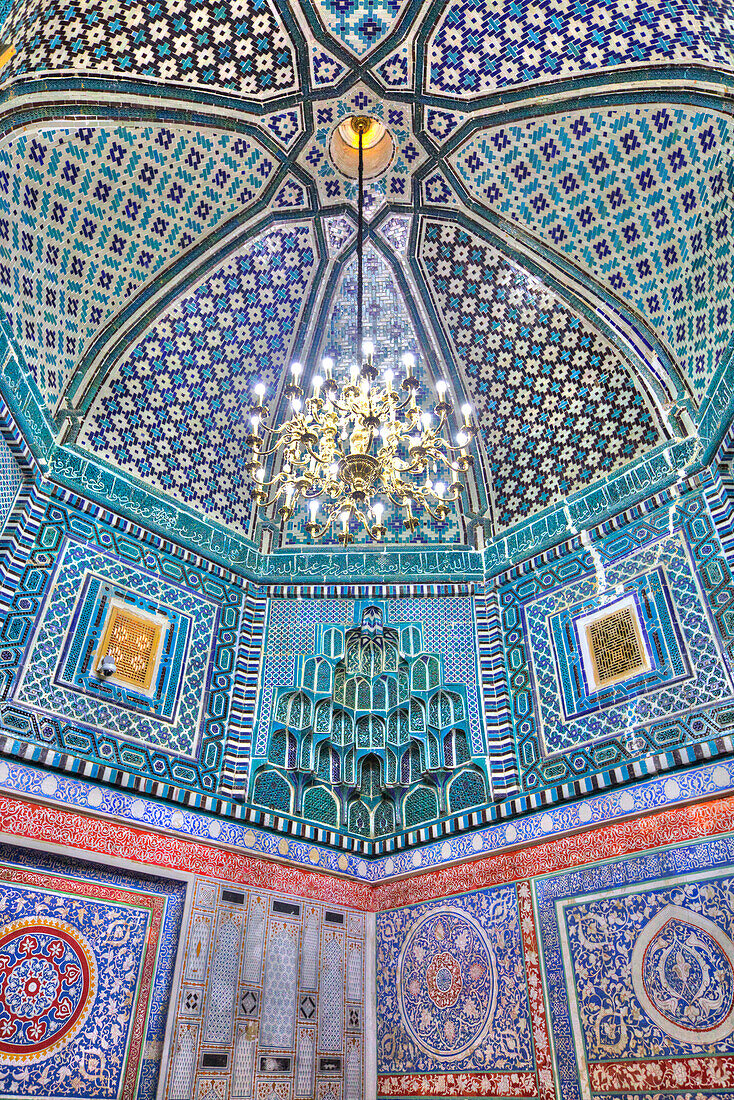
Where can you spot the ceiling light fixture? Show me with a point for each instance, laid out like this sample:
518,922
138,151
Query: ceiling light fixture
349,447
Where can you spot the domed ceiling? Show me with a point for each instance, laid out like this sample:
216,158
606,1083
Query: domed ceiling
552,235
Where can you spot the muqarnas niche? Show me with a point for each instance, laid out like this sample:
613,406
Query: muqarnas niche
370,739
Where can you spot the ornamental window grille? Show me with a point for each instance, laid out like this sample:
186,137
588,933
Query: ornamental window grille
616,646
133,641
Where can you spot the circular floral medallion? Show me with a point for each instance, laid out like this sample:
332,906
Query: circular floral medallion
447,984
683,975
48,982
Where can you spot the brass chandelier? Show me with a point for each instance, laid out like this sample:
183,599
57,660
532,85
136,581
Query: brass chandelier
348,447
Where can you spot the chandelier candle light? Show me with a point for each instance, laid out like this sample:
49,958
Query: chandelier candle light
347,447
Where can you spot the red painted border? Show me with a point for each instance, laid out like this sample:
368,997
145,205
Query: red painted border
488,1085
52,824
664,1073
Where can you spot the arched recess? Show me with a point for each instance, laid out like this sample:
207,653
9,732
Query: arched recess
273,791
636,196
556,405
320,805
172,411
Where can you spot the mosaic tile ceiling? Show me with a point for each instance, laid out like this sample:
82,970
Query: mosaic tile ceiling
566,267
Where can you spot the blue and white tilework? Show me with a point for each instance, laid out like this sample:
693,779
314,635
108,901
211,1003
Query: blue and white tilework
88,217
637,197
556,404
396,70
184,743
10,481
112,936
663,696
396,231
176,730
637,907
396,185
326,69
658,792
360,25
389,325
285,126
451,986
241,45
479,46
679,542
647,598
234,330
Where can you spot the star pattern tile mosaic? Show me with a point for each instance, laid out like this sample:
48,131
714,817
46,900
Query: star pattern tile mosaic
173,413
88,216
238,45
395,185
638,197
555,403
479,46
360,25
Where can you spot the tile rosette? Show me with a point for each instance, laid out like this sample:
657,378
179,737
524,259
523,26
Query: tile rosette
447,964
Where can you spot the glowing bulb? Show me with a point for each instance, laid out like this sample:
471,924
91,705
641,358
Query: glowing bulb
368,349
354,371
345,520
297,404
439,488
317,384
260,474
259,390
441,388
466,410
328,365
462,439
333,469
377,509
388,379
426,419
255,421
409,360
296,369
314,506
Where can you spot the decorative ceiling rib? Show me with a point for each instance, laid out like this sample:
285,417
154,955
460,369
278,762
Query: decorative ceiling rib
89,215
173,411
640,198
150,270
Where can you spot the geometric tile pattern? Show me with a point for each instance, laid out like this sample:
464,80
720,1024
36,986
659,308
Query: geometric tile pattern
479,46
239,45
360,25
214,344
10,481
395,185
102,732
37,685
89,215
664,656
636,196
554,747
388,324
556,406
274,995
